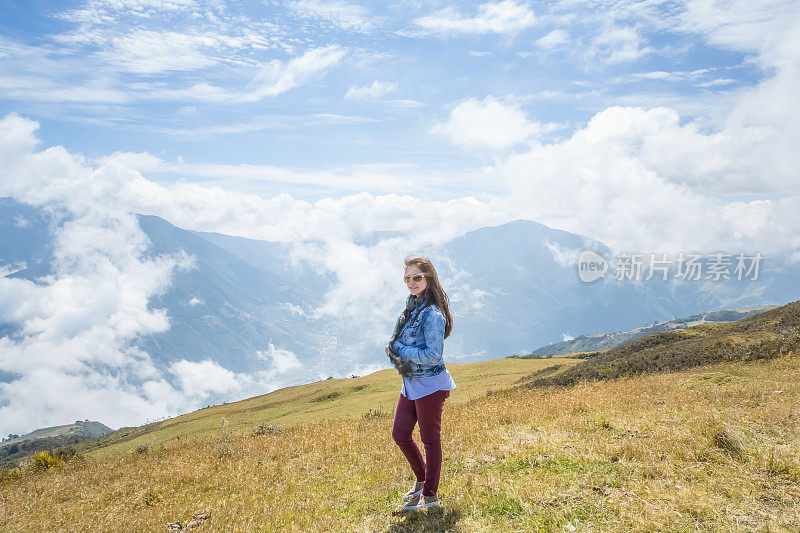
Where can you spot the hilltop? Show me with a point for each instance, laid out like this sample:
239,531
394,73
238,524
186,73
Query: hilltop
49,438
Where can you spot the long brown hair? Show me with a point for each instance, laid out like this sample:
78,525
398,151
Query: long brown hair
434,290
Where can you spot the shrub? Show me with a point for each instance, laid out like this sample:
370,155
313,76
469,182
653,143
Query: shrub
142,447
264,429
44,460
729,440
375,413
326,397
10,474
223,450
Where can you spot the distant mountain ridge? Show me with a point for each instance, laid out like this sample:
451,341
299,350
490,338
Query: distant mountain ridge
604,341
50,438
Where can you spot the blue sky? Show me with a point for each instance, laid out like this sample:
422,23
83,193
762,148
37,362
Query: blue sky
319,85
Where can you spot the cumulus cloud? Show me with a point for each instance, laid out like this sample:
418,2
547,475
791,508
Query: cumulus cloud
199,379
489,123
281,360
507,17
77,324
637,179
73,354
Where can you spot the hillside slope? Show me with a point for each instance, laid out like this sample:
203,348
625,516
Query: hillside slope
315,402
710,449
605,341
763,336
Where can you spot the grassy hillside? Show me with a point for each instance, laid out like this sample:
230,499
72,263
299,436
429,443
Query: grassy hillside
315,402
763,336
709,449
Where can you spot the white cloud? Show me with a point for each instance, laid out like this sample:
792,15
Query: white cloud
77,324
638,179
717,82
507,16
566,257
203,378
196,301
147,38
406,104
617,44
274,78
488,123
295,310
100,10
148,52
40,73
345,15
376,90
189,111
552,40
281,360
677,75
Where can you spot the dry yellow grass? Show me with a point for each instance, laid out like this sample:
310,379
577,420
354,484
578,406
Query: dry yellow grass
323,400
715,448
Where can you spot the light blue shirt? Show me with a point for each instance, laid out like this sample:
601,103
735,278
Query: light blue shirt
416,388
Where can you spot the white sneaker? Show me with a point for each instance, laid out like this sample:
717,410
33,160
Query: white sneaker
412,492
417,503
427,502
413,502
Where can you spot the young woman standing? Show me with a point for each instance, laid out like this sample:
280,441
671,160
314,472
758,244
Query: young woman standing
416,351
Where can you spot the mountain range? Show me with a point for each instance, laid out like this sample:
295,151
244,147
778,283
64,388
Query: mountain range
514,288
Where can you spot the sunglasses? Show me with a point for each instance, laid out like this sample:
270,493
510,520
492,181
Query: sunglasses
416,277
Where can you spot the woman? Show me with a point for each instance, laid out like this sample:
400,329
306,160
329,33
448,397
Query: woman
416,350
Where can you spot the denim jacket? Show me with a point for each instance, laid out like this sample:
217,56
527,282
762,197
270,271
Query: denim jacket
422,342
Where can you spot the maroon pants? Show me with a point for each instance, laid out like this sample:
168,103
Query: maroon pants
428,412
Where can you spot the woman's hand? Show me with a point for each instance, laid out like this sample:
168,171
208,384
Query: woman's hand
387,351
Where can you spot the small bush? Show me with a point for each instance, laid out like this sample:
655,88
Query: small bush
729,440
375,413
44,460
266,429
142,448
223,450
326,397
10,474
